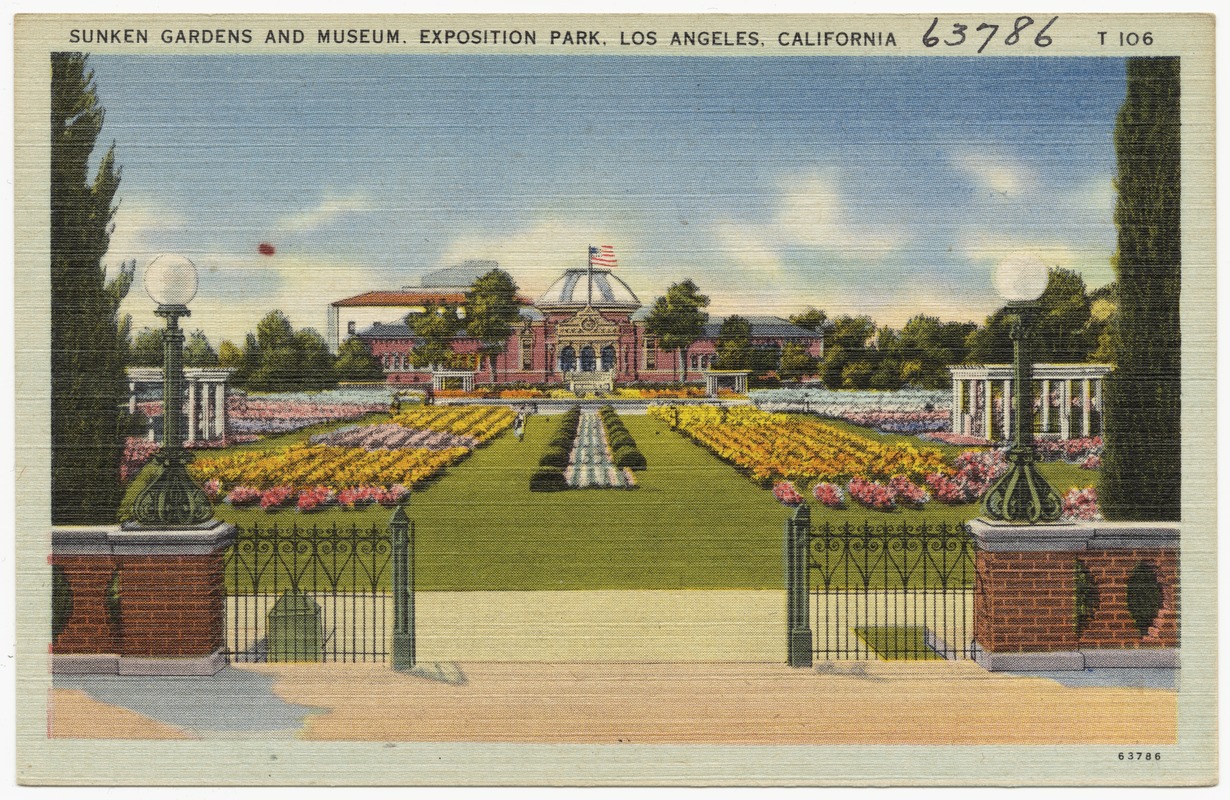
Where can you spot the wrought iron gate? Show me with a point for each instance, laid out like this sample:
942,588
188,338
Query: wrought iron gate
891,591
309,593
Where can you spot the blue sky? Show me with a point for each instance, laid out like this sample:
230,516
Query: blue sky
880,186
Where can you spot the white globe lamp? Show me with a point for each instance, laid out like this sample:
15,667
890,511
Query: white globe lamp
1021,278
170,280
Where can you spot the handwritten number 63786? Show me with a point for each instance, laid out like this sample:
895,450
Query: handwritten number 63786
958,35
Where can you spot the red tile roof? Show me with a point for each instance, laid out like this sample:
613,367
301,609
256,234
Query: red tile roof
403,299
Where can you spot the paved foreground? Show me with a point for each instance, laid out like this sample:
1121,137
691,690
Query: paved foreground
738,703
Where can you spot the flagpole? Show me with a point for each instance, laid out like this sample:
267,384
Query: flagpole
589,298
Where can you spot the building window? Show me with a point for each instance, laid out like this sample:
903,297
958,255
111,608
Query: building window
350,327
527,352
651,352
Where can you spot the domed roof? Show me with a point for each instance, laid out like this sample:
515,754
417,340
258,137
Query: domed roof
572,290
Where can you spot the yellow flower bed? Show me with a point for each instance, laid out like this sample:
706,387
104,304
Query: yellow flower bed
478,422
777,446
305,466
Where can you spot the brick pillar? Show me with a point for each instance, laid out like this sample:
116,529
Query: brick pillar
1026,598
83,558
169,616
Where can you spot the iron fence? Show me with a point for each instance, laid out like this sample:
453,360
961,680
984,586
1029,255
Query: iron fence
309,593
901,590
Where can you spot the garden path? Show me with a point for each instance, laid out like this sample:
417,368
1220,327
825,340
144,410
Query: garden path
591,464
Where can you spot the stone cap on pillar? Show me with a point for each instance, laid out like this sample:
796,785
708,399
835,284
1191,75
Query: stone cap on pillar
209,537
998,537
131,539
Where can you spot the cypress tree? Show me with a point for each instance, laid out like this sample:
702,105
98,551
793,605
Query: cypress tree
1141,472
88,387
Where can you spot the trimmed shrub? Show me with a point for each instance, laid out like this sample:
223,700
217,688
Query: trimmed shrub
554,457
618,440
630,458
548,479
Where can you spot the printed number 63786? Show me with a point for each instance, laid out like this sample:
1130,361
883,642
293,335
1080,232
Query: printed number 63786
958,35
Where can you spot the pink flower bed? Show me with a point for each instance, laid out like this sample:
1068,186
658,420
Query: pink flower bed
314,499
872,494
1092,462
786,494
275,498
361,496
1072,450
242,496
213,489
1081,504
907,422
907,494
976,471
254,417
830,494
137,453
899,491
391,436
958,439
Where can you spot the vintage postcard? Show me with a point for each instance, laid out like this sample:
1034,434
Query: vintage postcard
627,399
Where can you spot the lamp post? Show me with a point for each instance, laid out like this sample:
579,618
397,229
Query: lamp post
1021,495
172,500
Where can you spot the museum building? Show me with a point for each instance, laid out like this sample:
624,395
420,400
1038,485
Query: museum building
586,331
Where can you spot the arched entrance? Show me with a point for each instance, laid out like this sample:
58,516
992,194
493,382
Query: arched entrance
567,359
608,358
589,362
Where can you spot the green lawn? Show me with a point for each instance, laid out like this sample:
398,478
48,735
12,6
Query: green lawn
899,643
693,522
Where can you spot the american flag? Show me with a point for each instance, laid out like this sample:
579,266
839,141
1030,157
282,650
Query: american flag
603,256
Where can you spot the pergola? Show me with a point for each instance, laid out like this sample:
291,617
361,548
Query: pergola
1060,388
725,379
206,406
440,376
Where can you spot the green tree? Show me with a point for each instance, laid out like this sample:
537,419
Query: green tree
1104,323
276,366
1141,472
848,340
198,352
1060,329
146,350
796,362
491,309
277,357
434,331
314,362
813,319
229,356
734,344
355,363
88,386
923,351
677,319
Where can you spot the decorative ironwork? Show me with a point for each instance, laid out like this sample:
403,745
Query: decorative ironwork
894,591
345,572
1022,494
173,499
403,590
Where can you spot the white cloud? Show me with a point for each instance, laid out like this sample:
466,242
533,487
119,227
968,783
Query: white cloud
536,255
991,249
995,173
235,294
139,226
328,209
813,212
